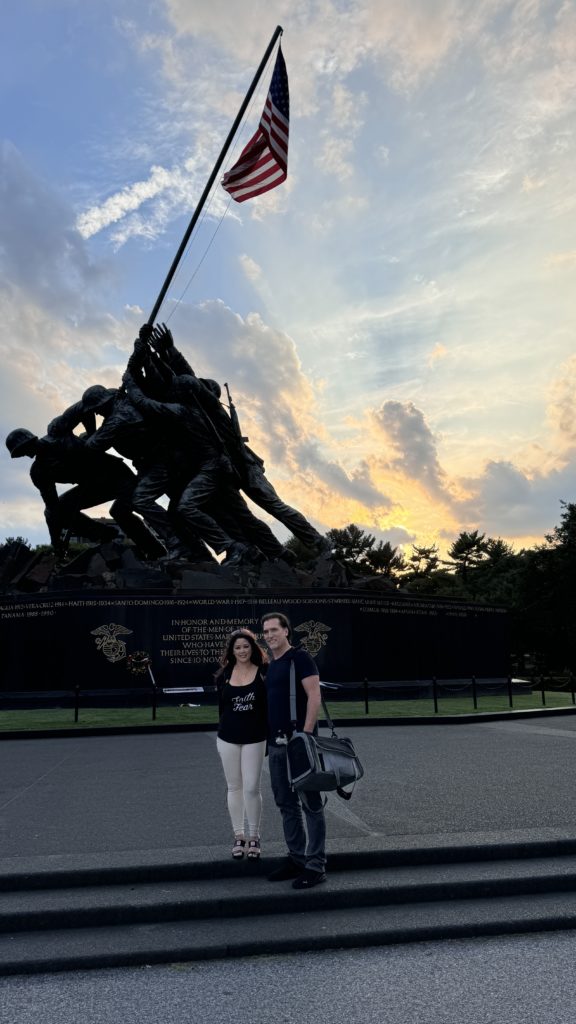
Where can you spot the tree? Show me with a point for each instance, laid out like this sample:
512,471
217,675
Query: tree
424,561
426,575
564,536
303,554
467,552
384,560
18,540
351,546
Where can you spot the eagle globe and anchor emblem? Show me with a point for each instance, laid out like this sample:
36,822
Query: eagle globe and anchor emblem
108,641
315,636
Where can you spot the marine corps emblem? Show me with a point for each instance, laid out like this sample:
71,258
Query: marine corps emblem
316,636
107,641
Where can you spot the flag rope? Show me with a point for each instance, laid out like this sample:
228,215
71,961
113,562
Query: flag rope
212,178
242,132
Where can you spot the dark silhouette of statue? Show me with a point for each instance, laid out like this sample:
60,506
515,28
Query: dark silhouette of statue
97,478
198,467
249,466
126,430
184,446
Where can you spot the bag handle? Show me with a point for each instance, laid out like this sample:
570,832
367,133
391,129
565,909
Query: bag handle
293,715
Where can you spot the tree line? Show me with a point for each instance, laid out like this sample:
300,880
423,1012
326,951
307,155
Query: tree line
537,585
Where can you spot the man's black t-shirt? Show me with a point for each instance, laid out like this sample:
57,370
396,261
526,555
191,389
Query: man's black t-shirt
243,712
278,690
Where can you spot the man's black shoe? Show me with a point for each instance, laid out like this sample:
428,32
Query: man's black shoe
290,869
308,879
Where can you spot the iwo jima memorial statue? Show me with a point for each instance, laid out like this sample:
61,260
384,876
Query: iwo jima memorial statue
185,559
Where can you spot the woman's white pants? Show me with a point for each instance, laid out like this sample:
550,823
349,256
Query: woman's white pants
242,764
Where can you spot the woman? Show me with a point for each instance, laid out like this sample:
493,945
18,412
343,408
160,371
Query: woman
242,733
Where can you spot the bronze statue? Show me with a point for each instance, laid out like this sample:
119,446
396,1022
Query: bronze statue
97,478
184,445
248,465
208,502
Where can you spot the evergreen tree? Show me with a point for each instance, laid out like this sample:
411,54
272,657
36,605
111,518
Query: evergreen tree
467,552
384,560
351,546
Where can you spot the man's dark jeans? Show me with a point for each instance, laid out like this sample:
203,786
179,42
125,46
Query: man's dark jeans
309,853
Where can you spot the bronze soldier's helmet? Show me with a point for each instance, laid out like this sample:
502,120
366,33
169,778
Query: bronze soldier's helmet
97,396
212,385
18,440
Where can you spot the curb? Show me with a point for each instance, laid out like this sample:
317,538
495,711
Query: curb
208,869
145,730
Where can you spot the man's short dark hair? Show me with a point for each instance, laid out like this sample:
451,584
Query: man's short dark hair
282,619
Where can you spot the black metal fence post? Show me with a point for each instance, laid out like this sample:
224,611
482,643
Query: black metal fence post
510,701
543,690
366,703
154,692
571,683
76,702
474,693
435,693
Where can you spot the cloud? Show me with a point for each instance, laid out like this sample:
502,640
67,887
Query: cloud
530,184
420,39
397,536
506,502
406,429
334,157
561,259
251,269
41,251
274,397
562,405
275,400
357,485
126,201
161,197
438,353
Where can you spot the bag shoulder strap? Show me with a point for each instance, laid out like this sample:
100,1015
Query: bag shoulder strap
293,714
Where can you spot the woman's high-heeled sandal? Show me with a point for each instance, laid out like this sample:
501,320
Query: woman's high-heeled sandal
253,848
238,848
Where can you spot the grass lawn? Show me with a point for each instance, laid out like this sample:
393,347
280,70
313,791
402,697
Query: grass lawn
58,718
91,718
448,705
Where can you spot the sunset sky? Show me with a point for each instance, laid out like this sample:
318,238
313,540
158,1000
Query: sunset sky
395,322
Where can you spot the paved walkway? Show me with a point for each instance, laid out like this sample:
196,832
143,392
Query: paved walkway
109,799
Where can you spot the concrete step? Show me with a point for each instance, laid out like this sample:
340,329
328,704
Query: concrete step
203,939
63,916
64,871
249,894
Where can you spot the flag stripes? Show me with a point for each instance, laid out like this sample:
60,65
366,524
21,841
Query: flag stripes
263,163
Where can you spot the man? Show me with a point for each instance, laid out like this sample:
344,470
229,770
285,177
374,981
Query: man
97,479
210,488
306,862
156,459
206,503
249,466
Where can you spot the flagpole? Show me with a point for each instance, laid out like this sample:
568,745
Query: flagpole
212,178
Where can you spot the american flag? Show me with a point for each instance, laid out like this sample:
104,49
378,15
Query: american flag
263,163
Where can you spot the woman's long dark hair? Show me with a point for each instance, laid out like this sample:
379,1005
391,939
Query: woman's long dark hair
258,656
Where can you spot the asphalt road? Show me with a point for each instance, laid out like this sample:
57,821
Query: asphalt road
117,793
511,980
